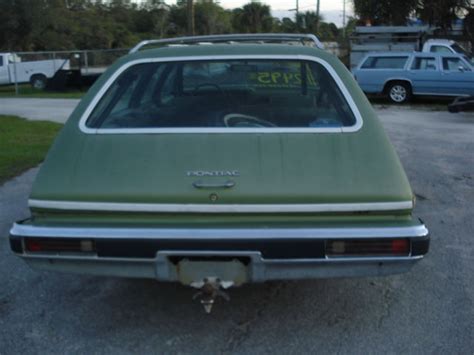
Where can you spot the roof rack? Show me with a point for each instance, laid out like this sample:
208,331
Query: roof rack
232,38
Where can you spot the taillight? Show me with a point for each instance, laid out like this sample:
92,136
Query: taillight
368,247
400,246
59,245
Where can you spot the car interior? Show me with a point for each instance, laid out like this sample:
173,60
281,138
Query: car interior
239,94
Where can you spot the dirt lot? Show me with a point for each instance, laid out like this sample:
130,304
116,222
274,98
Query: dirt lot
429,310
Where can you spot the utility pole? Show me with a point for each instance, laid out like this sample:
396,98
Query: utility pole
317,14
297,11
190,17
297,15
344,18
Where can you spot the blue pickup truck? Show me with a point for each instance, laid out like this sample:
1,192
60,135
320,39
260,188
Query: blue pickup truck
402,75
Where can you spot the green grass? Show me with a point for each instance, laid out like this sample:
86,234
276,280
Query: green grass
25,90
23,144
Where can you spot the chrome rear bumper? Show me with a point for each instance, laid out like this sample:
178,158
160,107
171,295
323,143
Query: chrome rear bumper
261,265
19,229
259,269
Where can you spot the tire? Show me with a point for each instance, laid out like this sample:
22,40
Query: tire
38,81
399,92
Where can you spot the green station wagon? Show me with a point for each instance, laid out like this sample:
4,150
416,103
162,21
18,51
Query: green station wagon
217,162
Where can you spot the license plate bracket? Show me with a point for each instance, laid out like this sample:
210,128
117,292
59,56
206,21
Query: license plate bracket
230,271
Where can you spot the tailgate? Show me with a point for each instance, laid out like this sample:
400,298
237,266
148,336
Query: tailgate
225,169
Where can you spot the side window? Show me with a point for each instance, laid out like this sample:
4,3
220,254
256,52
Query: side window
424,63
454,64
129,83
169,90
385,63
1,61
149,88
121,92
440,49
369,63
12,59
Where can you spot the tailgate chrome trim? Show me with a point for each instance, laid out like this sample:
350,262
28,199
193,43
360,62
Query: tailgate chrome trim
21,230
220,208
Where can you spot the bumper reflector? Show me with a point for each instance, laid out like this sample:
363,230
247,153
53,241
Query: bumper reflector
368,247
59,245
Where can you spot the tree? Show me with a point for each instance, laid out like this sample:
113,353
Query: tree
150,21
328,32
287,25
309,21
469,27
19,21
387,12
210,18
441,13
253,17
177,21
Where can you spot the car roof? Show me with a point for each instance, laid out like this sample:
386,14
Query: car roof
290,38
440,40
229,49
434,54
389,54
417,54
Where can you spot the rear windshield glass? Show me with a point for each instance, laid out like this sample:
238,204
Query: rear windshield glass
219,94
385,62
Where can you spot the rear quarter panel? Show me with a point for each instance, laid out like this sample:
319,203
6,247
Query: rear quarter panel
371,80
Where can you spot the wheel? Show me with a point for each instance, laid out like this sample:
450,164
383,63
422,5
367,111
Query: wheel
399,92
38,81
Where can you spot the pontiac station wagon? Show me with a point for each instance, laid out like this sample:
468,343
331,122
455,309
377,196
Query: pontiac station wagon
216,164
402,75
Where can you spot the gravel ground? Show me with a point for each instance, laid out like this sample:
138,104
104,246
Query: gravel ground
429,310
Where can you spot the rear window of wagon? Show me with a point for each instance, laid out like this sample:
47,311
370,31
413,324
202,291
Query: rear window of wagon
223,94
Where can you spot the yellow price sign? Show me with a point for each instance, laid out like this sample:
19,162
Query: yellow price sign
281,79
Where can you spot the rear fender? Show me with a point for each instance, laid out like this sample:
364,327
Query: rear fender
398,79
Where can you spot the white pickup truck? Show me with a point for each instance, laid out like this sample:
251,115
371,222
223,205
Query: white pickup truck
369,39
37,73
445,46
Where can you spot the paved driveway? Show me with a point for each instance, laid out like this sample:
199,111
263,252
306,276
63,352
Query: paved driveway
56,110
429,310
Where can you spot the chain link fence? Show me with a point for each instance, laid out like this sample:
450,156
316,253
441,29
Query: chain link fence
31,72
60,71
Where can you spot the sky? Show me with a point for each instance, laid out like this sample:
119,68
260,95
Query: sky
330,9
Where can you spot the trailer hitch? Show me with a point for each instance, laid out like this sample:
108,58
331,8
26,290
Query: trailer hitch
209,289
